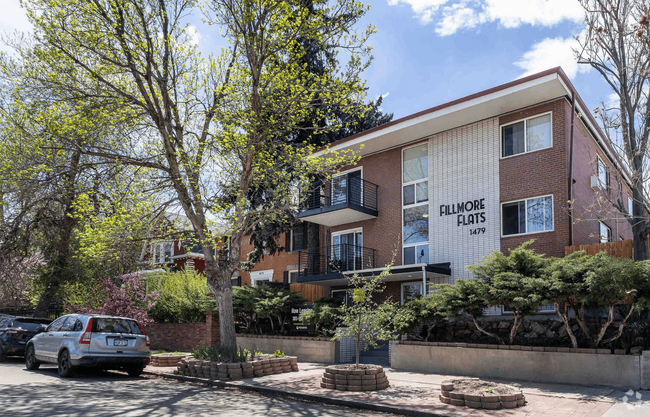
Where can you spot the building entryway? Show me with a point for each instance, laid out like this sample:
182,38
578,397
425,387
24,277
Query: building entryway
378,356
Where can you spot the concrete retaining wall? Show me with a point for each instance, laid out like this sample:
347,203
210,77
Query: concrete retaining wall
628,371
306,349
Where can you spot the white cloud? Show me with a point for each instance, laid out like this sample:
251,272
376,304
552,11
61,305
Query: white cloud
550,53
463,14
612,101
193,34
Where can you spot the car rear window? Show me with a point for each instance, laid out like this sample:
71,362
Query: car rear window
30,324
113,325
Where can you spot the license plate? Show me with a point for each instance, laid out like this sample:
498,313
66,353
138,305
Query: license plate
120,342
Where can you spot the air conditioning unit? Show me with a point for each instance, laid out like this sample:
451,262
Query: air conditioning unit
595,183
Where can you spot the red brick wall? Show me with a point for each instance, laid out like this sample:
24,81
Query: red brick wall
593,205
184,336
540,173
278,263
383,233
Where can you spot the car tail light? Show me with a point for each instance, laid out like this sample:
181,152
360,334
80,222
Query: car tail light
145,334
13,330
85,338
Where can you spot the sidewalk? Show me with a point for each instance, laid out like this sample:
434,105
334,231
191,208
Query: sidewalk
417,394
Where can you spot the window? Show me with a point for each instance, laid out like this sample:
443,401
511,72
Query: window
605,233
603,173
162,252
340,184
343,295
630,206
56,324
347,250
415,202
527,216
411,291
298,239
293,276
527,135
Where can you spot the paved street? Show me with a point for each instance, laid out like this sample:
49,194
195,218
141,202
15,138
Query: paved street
43,393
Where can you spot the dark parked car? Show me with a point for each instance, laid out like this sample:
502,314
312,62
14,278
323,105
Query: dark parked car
15,332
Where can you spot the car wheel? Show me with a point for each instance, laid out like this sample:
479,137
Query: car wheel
65,368
30,359
135,370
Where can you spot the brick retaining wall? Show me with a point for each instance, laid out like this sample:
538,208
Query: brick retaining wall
184,336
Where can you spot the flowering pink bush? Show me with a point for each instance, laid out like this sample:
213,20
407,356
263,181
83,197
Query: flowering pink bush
126,300
16,278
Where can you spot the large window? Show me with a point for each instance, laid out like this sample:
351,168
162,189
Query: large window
415,202
527,216
162,252
527,135
347,250
605,233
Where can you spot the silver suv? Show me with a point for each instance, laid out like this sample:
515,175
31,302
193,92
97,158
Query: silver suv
89,340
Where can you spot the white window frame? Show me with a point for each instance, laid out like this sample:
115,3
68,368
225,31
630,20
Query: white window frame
158,252
630,206
254,281
345,232
538,311
526,200
600,232
526,151
599,162
402,284
416,204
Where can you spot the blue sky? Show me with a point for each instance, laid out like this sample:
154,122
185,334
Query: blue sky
428,52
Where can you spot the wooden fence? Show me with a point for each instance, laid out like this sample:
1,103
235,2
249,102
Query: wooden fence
619,249
310,291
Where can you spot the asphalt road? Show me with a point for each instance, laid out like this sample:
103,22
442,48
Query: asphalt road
43,393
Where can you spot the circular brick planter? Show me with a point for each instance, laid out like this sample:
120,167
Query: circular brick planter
233,371
474,393
351,378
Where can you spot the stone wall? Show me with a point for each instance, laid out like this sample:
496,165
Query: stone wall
307,349
184,336
568,366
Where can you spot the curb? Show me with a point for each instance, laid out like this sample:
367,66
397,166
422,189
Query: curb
307,397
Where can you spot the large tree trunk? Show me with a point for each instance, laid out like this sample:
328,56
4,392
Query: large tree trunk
220,286
482,330
62,253
567,325
640,241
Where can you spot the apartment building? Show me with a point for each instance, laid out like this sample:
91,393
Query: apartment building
440,189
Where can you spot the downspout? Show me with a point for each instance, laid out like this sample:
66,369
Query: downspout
424,281
573,128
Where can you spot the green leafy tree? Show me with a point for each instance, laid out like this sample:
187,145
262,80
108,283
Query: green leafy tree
427,310
275,304
244,304
467,297
184,297
366,320
513,280
213,129
325,316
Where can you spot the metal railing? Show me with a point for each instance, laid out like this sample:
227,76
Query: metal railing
335,258
339,190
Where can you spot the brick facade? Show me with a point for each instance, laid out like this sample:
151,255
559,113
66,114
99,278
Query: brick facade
540,173
184,336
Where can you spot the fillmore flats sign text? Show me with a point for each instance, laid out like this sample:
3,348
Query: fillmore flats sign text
467,212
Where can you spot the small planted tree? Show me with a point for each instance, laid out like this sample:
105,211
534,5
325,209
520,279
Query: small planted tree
465,297
274,304
513,281
366,320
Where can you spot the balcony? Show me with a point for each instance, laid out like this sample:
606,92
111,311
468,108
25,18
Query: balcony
331,262
344,199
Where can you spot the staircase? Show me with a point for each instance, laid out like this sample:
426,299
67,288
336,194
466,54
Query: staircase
377,356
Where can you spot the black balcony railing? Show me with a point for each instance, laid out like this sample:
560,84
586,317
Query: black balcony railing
335,259
349,190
